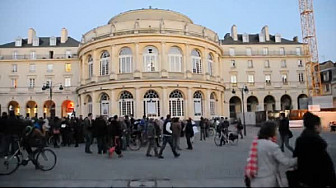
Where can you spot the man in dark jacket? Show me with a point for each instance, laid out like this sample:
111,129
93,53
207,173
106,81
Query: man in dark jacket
315,167
203,127
151,134
189,132
4,137
87,131
101,131
284,132
116,132
167,138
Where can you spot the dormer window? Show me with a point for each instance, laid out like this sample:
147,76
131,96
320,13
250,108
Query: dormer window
36,41
278,38
18,42
52,41
245,38
261,38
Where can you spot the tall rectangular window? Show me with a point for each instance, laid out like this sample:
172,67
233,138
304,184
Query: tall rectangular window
301,78
283,64
90,69
50,67
31,82
233,63
68,67
268,79
250,79
32,67
267,64
233,79
298,51
14,83
14,67
67,82
282,51
248,51
33,55
68,54
250,64
284,79
232,51
300,63
265,51
14,56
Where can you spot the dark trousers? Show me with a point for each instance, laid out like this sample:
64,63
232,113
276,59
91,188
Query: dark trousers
101,144
176,142
167,139
55,140
285,141
117,144
203,133
188,137
152,144
4,145
240,132
88,142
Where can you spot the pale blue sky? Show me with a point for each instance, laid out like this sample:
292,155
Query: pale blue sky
80,16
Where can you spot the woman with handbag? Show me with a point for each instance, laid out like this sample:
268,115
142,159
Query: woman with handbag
285,133
265,156
315,167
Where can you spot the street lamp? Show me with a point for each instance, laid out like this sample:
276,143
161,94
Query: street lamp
50,87
243,90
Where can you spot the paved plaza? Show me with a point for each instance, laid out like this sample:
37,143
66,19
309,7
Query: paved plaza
206,166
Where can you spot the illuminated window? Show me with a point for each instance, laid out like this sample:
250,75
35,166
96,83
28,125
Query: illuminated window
14,83
68,67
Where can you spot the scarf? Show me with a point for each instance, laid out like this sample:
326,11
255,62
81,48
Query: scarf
251,168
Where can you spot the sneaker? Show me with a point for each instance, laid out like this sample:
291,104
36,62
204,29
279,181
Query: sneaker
177,155
88,152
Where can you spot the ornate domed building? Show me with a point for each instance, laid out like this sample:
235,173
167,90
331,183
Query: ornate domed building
151,62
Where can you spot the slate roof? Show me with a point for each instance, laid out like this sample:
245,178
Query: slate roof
253,39
44,42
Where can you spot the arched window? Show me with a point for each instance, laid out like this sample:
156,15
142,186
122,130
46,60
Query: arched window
213,104
125,60
175,59
176,104
104,104
198,106
104,63
210,64
88,104
150,59
151,104
126,104
196,61
90,66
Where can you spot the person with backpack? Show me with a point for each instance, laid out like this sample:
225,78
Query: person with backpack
167,138
151,134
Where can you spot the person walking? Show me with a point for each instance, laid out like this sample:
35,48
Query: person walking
202,126
285,133
240,128
151,134
176,129
265,157
158,130
87,131
55,125
315,167
116,135
167,138
189,132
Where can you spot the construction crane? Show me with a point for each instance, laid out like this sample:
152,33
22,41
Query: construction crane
314,85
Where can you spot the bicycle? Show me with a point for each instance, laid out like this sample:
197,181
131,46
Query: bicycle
226,136
44,159
135,140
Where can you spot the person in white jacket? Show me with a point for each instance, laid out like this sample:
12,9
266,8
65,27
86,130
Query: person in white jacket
269,158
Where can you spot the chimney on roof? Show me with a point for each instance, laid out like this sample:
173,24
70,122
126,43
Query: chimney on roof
265,32
64,35
31,35
234,34
296,39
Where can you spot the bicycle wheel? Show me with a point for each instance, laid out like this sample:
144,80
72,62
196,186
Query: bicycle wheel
134,144
217,139
9,164
46,159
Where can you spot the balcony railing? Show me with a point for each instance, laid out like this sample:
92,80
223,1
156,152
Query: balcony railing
262,53
37,57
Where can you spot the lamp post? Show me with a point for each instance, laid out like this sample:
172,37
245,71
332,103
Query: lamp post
244,89
50,87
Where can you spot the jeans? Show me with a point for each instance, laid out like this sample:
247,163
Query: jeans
203,133
88,141
176,142
168,139
285,140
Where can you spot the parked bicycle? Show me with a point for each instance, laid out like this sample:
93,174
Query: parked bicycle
44,159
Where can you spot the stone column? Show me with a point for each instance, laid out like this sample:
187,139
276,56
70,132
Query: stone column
189,104
204,60
82,106
207,104
114,64
82,68
137,64
277,104
137,104
95,104
114,105
96,65
164,102
187,63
